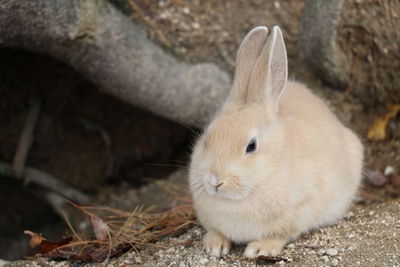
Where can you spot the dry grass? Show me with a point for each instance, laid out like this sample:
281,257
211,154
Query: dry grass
117,231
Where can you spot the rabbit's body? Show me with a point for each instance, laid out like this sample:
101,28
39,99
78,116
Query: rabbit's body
303,173
302,196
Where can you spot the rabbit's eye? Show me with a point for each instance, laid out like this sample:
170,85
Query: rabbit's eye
251,146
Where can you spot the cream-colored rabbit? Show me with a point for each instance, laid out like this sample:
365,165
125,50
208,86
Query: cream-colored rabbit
275,161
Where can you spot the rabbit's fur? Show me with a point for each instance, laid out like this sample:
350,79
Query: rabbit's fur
303,173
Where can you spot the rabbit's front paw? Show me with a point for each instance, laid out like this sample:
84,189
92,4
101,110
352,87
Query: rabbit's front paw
215,244
271,247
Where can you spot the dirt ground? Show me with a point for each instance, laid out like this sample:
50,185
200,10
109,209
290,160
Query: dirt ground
108,149
367,236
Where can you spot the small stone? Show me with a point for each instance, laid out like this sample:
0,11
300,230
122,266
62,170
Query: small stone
203,261
282,263
196,25
182,264
350,214
388,171
332,252
171,250
186,10
374,178
335,262
321,252
277,5
371,213
325,258
291,246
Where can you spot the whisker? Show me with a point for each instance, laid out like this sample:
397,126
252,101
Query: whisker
173,165
196,183
197,188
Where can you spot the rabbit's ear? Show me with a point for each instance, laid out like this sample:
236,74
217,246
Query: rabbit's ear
269,76
247,55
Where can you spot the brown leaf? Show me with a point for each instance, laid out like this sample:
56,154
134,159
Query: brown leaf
377,131
35,239
45,245
100,228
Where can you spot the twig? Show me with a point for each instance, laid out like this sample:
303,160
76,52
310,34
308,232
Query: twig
47,181
25,140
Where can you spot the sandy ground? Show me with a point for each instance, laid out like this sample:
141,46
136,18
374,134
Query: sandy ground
367,236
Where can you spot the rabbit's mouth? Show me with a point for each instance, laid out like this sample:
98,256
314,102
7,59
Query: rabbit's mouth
227,190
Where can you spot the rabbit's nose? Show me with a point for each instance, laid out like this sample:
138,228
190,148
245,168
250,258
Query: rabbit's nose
213,181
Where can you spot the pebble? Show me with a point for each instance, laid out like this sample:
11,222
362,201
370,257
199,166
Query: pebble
196,25
3,263
335,262
389,170
325,258
203,261
182,264
321,251
332,252
291,246
186,10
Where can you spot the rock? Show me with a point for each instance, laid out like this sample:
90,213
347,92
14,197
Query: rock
3,262
291,246
332,252
321,252
389,170
325,258
374,178
203,261
317,41
335,262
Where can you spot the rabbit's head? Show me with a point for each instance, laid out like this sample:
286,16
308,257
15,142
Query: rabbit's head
241,146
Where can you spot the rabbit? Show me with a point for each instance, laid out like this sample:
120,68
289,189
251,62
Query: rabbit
274,162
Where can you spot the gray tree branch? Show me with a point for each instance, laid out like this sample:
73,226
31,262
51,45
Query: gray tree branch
115,54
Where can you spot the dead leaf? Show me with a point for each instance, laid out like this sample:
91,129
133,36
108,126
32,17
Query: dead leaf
35,239
100,228
377,131
45,246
